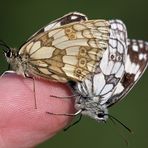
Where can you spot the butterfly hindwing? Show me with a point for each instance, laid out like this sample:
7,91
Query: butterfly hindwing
112,63
136,63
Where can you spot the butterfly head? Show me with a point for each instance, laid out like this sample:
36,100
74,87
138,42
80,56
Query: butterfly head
100,113
13,58
16,62
93,110
11,55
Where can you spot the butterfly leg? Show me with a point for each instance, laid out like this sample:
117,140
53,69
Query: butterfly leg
65,114
35,100
64,97
7,72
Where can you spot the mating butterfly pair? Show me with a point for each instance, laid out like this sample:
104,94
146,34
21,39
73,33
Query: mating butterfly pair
95,55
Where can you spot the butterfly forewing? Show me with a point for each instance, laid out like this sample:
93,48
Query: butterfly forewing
136,64
66,19
69,52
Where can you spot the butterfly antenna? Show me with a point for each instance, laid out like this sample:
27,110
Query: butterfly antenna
119,132
4,44
112,118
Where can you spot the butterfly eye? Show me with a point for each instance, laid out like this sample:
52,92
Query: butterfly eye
8,53
101,115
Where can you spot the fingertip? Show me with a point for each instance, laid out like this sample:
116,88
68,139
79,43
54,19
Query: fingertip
17,105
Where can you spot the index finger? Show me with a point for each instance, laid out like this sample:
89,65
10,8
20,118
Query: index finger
23,123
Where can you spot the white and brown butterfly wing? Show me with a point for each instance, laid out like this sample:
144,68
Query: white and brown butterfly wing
69,52
136,64
66,19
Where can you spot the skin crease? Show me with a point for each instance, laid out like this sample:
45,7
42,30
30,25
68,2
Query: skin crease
23,126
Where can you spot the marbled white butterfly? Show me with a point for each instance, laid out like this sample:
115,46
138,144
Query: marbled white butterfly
115,76
122,64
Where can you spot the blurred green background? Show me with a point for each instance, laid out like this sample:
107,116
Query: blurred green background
19,19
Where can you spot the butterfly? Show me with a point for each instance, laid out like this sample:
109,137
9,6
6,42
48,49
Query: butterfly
121,66
68,48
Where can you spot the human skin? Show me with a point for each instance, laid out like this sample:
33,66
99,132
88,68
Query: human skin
23,126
